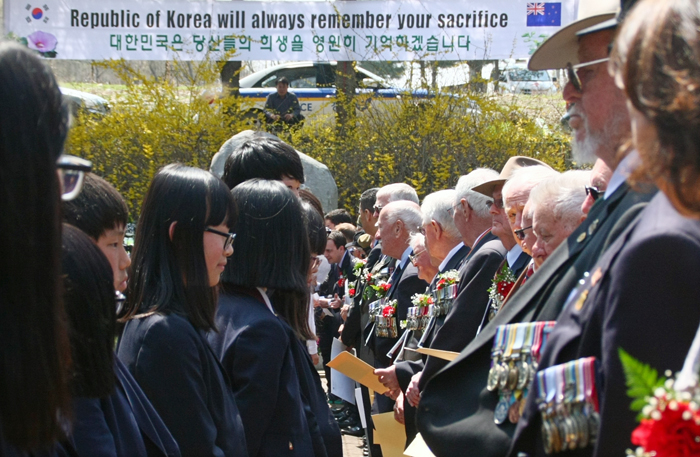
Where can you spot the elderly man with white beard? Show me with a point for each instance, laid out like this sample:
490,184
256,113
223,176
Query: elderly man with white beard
457,410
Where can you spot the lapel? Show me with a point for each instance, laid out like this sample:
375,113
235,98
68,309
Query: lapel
395,282
520,263
456,261
571,246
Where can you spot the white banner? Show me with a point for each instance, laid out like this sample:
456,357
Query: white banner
321,31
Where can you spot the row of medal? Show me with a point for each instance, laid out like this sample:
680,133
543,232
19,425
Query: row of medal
514,359
419,316
568,401
384,326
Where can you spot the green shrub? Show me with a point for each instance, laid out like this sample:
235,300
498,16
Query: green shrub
427,143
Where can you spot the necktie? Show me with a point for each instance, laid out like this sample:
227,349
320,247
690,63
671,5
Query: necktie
530,271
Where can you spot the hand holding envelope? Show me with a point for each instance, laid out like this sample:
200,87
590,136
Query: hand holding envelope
358,371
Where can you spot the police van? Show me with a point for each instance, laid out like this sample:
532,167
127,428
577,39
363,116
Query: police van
314,85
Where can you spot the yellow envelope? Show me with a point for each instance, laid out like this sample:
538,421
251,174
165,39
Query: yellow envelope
390,434
418,448
358,371
440,354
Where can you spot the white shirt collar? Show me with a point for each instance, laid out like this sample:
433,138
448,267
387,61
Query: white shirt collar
513,255
266,299
622,172
450,255
404,257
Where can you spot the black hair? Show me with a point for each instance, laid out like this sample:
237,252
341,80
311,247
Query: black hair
170,275
272,249
282,79
368,199
315,227
264,158
34,349
338,238
99,207
90,306
307,196
338,216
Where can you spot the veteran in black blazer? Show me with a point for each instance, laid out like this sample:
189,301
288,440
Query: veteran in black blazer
254,348
466,417
456,409
397,222
650,316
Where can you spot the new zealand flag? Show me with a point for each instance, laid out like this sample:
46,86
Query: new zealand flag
543,14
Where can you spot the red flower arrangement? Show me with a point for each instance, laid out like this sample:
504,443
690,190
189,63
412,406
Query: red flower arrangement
670,418
389,310
672,433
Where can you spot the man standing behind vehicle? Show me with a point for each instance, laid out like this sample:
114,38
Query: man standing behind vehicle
283,106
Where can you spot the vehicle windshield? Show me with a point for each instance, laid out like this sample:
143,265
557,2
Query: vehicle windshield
521,74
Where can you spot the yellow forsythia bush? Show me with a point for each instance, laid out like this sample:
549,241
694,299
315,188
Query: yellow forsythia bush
153,122
430,143
426,142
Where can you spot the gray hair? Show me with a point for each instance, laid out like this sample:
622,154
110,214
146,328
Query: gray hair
405,211
563,194
438,207
399,191
416,240
526,179
478,202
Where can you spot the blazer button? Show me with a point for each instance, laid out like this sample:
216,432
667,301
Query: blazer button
291,446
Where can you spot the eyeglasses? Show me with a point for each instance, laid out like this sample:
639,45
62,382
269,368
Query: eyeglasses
230,237
593,191
377,209
315,262
414,257
71,174
498,203
572,72
520,233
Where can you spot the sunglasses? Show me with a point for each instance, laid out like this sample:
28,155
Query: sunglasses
572,72
497,202
71,174
520,233
230,237
377,209
593,191
315,262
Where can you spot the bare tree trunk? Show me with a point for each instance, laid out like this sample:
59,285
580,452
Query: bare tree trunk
345,84
476,82
230,77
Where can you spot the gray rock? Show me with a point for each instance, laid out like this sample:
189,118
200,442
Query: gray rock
317,176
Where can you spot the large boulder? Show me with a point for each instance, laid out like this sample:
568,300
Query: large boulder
317,176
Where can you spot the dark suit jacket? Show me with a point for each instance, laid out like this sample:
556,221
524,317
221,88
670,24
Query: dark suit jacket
254,348
352,331
122,424
403,288
456,409
640,299
178,372
476,270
